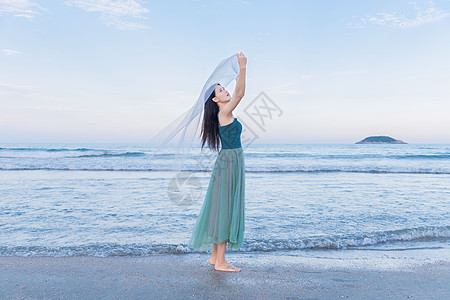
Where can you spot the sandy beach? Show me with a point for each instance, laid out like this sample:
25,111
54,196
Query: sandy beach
190,277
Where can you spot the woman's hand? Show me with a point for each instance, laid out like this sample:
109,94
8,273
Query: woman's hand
242,60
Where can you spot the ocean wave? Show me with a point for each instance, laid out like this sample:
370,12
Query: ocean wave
70,155
250,154
344,242
367,170
50,149
418,234
422,156
123,154
442,156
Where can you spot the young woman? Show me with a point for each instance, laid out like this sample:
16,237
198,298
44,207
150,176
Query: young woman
221,218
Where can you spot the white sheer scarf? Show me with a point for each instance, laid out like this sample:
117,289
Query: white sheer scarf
182,132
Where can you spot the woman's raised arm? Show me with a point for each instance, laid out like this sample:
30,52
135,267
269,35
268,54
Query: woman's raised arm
239,91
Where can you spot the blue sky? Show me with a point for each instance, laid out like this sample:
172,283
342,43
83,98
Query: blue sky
120,71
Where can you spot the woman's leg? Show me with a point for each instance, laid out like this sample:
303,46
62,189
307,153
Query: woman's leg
212,260
221,264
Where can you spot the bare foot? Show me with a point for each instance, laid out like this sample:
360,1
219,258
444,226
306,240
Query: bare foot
212,260
226,268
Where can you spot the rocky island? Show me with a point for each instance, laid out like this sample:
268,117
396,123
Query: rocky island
380,140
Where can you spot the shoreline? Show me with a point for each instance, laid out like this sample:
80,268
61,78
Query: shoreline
189,276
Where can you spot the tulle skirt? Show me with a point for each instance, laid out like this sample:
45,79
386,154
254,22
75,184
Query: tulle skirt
221,216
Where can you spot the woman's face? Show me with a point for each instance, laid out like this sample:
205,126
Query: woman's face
222,94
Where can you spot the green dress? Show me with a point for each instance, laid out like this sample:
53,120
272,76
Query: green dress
221,216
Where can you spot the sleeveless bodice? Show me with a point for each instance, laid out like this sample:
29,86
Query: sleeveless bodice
230,134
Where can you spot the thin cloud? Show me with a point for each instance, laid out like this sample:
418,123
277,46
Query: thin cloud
7,88
20,8
422,14
120,14
349,72
9,52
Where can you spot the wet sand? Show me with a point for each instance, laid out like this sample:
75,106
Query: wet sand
189,276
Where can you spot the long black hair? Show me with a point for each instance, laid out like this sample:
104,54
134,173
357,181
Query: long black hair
210,126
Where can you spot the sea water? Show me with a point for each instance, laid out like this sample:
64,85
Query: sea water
321,201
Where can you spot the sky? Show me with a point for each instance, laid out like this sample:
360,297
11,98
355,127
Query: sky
120,71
